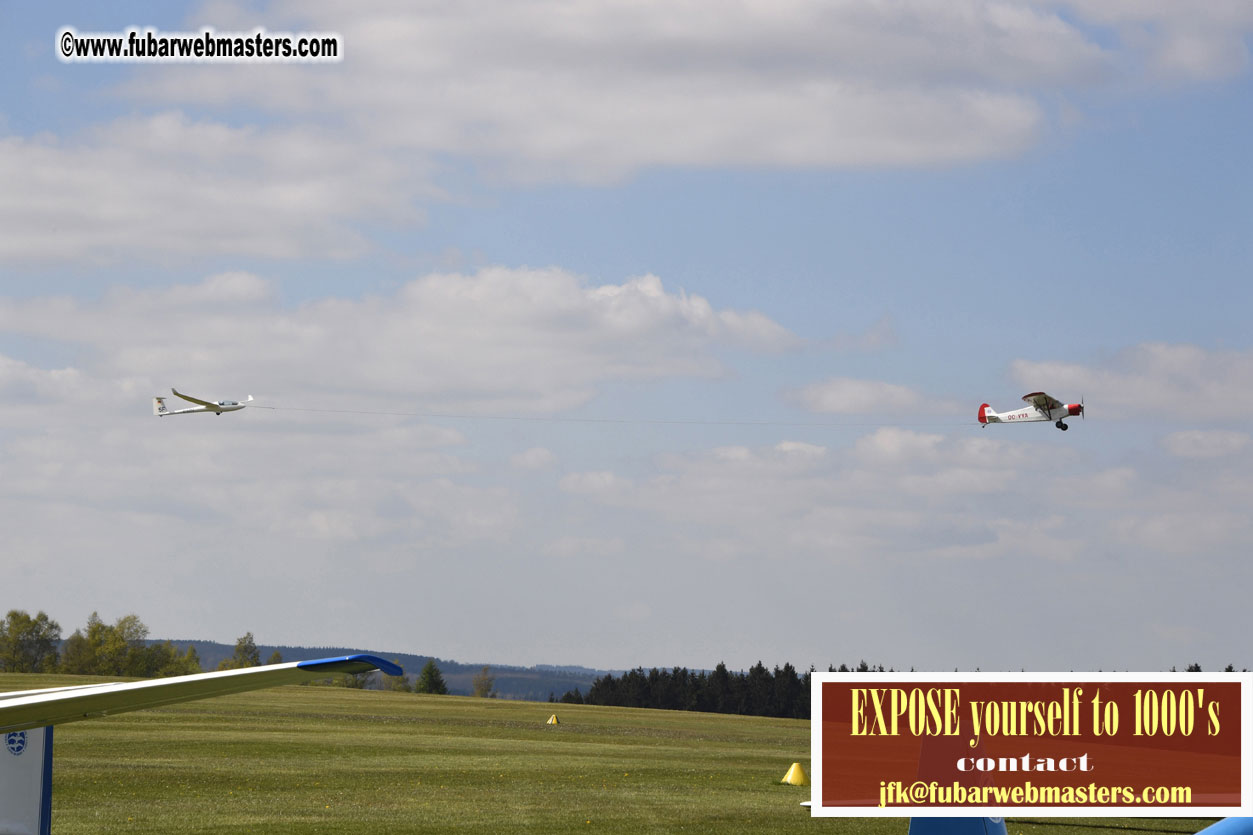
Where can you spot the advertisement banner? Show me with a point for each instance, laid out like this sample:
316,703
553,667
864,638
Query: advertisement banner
1056,744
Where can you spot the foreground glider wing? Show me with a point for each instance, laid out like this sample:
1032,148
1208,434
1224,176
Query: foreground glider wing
27,718
26,709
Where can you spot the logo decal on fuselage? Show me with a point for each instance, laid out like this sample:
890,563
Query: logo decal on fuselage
15,741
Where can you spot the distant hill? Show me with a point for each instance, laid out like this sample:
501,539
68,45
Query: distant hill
530,683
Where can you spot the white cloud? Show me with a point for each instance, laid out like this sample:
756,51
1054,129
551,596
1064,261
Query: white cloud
600,482
496,341
164,186
501,340
799,448
906,523
849,396
897,522
1174,41
1183,533
1155,379
21,381
542,89
810,501
535,458
891,444
1199,443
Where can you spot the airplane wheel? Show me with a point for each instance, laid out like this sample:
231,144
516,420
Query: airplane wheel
1062,426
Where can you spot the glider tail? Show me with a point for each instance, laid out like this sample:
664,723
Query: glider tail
158,406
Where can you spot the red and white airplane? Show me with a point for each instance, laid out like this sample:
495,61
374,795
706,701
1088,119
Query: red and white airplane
1043,407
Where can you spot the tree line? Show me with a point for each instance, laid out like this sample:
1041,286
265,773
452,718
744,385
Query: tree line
33,645
781,692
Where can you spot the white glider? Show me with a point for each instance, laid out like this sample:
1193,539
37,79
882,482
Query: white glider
216,406
1043,407
27,717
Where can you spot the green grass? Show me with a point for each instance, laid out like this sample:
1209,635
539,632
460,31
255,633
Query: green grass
330,760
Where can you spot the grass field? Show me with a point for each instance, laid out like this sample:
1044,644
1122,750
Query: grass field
329,760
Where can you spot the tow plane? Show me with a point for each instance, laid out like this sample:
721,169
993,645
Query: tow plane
1041,407
216,406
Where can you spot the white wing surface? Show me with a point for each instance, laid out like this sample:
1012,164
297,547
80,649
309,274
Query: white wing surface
26,709
196,400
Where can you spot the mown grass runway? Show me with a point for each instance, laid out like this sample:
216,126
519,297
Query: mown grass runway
332,760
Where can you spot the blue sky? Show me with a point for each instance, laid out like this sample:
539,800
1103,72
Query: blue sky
747,274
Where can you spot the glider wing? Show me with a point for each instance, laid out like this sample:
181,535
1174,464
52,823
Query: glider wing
26,709
197,400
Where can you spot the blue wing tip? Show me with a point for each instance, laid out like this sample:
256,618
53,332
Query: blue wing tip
381,663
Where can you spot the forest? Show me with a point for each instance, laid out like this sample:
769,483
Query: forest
781,692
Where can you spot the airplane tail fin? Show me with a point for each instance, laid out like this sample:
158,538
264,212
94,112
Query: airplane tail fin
986,415
159,407
248,399
26,781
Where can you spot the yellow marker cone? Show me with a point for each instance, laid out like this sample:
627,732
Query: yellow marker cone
552,720
796,776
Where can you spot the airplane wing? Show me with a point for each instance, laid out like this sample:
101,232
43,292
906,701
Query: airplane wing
191,399
25,709
1037,398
